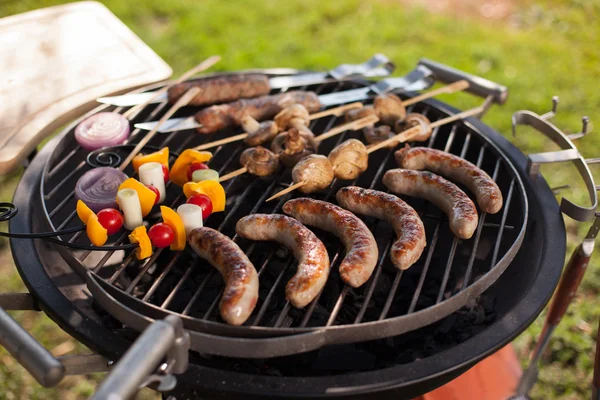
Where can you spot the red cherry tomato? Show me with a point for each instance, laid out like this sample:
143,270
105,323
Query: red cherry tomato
156,192
110,219
165,173
202,201
161,235
193,167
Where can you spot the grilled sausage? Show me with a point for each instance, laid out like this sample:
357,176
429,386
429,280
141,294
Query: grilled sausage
241,280
313,260
222,88
361,247
444,194
411,241
261,108
487,193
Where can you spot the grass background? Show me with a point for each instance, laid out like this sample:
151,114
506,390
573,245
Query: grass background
537,49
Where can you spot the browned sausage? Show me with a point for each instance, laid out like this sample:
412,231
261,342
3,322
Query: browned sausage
261,108
487,193
403,218
313,260
241,280
222,88
361,247
444,194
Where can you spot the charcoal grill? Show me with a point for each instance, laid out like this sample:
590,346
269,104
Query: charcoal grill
389,336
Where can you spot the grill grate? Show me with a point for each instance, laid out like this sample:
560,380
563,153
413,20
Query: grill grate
184,284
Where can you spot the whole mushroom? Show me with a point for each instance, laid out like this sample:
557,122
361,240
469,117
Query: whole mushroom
315,170
259,161
295,116
258,132
353,115
374,135
292,146
389,108
414,119
349,159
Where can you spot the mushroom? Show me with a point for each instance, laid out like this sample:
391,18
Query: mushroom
315,171
294,116
259,161
389,108
353,115
374,135
414,119
349,159
258,133
292,146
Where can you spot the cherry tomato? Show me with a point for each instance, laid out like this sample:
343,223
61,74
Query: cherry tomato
165,172
204,202
110,219
156,192
193,167
161,235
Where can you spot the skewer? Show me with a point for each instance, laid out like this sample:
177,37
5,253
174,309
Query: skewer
209,62
183,100
337,111
402,137
353,125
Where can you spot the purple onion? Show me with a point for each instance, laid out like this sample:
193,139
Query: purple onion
98,187
101,130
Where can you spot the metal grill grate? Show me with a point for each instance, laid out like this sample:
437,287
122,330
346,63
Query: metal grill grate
181,283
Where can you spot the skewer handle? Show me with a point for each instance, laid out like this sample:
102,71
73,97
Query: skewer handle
233,174
209,62
452,88
337,111
216,143
183,100
287,190
353,125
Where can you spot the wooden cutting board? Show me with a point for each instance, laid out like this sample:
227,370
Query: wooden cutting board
55,62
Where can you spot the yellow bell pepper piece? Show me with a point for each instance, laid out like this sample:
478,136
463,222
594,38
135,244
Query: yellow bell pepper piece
161,157
146,195
84,212
178,174
173,219
212,189
97,234
140,236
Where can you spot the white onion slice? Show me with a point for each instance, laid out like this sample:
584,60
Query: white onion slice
101,130
151,174
191,215
200,175
129,202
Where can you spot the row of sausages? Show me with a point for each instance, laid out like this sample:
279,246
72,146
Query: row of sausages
241,291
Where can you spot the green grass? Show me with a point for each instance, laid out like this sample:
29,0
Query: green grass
540,51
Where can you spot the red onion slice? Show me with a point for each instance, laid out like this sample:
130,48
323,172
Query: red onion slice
98,187
101,130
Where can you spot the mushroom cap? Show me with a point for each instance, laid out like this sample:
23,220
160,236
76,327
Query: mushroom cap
414,119
358,113
349,159
295,111
374,135
315,170
259,161
293,145
266,131
389,108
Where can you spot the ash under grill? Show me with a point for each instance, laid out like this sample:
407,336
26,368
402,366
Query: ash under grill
450,272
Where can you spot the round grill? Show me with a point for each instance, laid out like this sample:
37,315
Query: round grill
450,273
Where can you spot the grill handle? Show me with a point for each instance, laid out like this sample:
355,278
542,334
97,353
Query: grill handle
162,339
42,365
477,85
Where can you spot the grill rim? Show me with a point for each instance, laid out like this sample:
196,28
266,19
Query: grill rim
321,335
108,343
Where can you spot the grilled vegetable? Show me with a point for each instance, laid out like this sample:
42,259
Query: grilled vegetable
214,190
98,187
83,212
129,202
110,219
179,170
95,231
172,219
161,157
146,196
161,235
101,130
205,175
191,215
140,236
151,174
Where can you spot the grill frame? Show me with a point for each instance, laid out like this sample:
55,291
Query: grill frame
290,341
402,381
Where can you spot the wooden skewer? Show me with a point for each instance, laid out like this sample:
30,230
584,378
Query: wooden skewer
209,62
183,100
452,88
233,174
286,191
332,111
